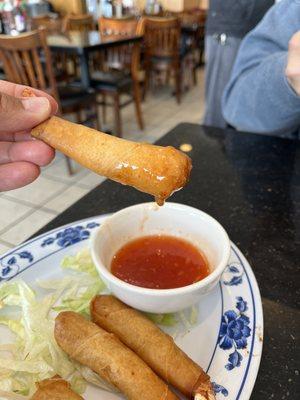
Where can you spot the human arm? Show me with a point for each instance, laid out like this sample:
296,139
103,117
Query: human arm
259,96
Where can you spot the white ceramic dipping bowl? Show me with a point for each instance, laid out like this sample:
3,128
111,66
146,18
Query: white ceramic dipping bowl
173,219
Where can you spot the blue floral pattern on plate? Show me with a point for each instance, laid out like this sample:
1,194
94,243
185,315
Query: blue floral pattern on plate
236,270
219,389
70,236
234,332
10,265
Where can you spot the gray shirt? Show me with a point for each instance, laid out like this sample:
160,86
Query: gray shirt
258,97
235,18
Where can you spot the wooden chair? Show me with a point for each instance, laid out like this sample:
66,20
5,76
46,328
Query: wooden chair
23,57
118,27
120,73
162,50
52,25
202,15
80,22
61,61
196,16
192,38
118,57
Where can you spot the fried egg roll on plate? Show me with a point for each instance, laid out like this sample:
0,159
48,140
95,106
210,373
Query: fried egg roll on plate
105,354
154,346
55,388
152,169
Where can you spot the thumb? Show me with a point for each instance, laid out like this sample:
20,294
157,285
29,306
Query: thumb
21,114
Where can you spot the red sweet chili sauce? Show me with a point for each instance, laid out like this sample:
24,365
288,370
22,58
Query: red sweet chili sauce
159,262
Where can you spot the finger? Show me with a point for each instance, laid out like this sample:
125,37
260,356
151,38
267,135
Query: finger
22,136
16,175
35,152
15,90
293,64
21,114
295,41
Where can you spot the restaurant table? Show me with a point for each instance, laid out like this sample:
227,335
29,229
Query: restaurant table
250,184
84,43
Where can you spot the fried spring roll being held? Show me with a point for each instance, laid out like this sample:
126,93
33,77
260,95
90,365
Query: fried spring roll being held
154,346
156,170
55,389
104,353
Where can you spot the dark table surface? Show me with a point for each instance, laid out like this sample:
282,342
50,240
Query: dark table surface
77,42
250,183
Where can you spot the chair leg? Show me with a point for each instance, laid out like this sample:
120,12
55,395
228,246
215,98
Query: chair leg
78,116
178,84
104,108
97,118
146,82
69,166
168,76
117,115
137,103
194,66
195,75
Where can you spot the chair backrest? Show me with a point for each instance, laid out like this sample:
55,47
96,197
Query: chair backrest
27,61
187,18
80,22
126,56
162,37
52,25
117,27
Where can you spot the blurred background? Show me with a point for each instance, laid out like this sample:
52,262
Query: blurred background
131,68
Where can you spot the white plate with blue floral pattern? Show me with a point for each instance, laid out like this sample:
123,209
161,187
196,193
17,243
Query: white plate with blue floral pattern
227,339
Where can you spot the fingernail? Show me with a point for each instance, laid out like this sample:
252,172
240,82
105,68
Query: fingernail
36,104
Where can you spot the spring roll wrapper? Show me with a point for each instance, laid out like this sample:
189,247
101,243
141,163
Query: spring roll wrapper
55,389
105,354
154,346
156,170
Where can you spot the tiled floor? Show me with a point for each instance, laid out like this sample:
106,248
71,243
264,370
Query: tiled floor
24,211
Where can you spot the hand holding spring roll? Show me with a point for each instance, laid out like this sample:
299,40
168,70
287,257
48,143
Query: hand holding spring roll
156,170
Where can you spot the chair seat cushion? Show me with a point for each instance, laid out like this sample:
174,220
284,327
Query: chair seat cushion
71,96
111,80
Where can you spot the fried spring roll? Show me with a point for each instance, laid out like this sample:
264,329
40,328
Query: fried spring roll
156,170
104,353
154,346
55,389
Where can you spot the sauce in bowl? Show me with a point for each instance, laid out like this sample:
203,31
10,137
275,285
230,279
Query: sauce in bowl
159,262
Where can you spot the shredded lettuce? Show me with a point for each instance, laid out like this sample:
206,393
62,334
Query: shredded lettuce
193,315
34,354
187,317
78,383
163,319
81,262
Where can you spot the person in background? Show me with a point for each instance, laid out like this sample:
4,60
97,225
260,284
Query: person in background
227,23
263,94
20,155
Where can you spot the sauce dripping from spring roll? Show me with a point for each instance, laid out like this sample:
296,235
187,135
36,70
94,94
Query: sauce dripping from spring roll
159,262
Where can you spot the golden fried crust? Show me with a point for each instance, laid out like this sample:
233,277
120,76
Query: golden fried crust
156,170
107,356
55,389
154,346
